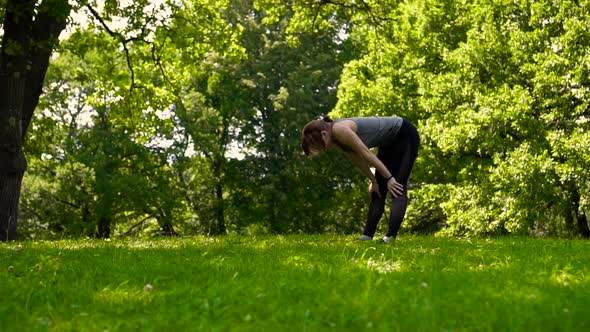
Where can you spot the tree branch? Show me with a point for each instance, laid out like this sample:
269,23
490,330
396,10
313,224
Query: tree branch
363,6
141,222
120,38
160,67
64,202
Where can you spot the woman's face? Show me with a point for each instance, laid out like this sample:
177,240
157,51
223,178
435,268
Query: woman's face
317,150
313,152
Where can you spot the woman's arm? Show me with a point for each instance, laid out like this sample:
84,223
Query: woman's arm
344,134
361,164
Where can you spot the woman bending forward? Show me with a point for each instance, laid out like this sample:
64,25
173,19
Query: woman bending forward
397,141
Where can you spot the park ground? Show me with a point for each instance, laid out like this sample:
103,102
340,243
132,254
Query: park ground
296,283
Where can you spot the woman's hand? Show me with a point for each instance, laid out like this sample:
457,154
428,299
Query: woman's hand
374,188
395,188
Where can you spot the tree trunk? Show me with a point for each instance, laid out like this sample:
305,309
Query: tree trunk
13,70
583,225
219,228
581,219
12,159
168,230
30,32
569,223
165,221
48,25
9,196
219,210
104,228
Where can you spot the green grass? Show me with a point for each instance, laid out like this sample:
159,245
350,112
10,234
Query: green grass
296,283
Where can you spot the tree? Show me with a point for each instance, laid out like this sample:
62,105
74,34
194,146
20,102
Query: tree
144,39
94,138
499,91
31,30
284,83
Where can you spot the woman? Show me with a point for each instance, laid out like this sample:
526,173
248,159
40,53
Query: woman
397,140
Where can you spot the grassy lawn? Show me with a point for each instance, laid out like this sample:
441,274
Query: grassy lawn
296,283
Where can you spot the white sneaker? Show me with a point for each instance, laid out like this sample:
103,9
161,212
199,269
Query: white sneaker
386,239
365,238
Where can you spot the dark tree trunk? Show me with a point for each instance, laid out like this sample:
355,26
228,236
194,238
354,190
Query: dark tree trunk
13,71
581,219
168,230
583,226
569,223
165,221
219,228
50,21
9,196
220,213
104,228
27,44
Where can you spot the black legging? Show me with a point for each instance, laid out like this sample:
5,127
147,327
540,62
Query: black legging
399,158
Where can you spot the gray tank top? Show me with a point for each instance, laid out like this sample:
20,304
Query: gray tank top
377,131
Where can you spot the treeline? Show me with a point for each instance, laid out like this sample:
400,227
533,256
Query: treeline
187,119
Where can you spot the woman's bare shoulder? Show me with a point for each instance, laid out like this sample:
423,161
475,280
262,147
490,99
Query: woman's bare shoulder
344,124
344,132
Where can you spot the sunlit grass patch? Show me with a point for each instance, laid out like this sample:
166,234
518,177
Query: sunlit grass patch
123,294
297,282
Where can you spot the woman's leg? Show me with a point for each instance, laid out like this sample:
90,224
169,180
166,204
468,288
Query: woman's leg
402,156
376,207
399,204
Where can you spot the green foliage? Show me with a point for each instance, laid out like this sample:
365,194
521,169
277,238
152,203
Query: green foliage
194,88
498,90
424,214
99,124
296,282
190,115
57,201
262,103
